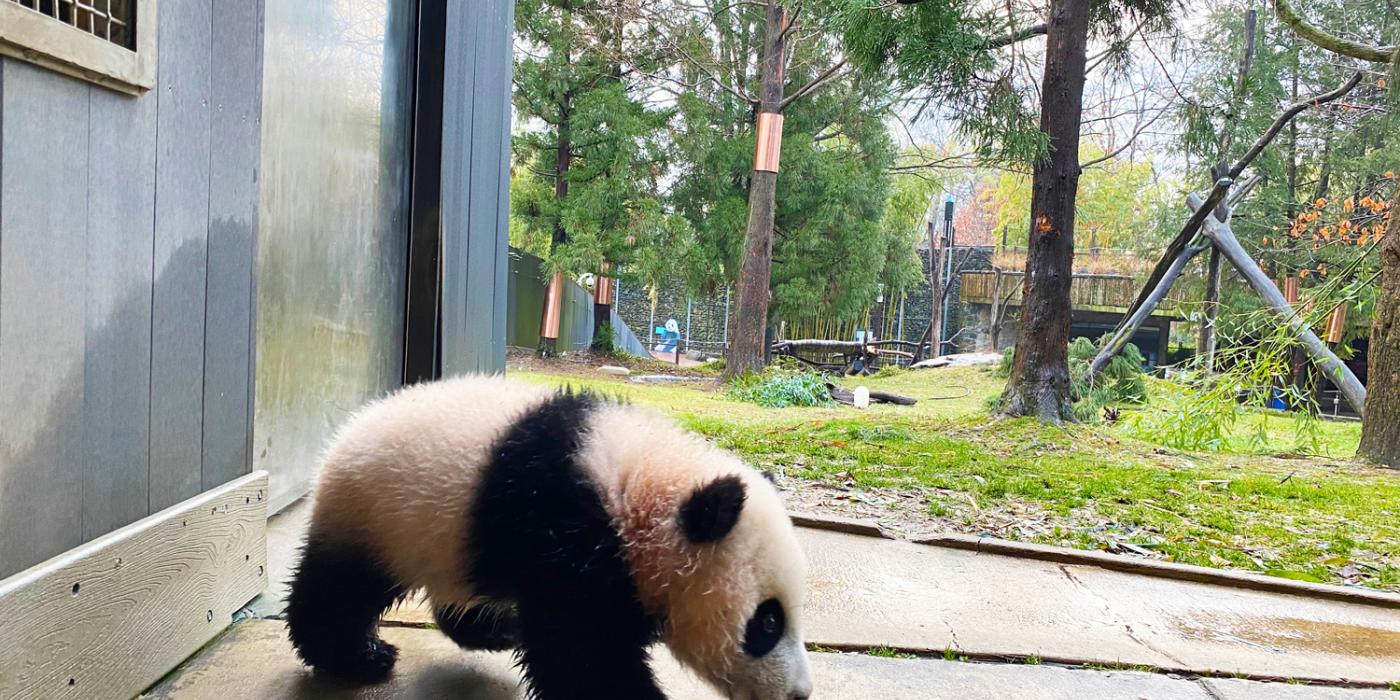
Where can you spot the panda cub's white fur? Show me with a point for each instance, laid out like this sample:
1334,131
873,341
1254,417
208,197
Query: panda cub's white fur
572,529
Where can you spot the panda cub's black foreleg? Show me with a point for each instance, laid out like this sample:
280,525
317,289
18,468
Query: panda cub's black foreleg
337,595
481,627
575,653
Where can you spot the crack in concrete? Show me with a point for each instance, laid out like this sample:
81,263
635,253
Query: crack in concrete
957,645
1209,689
1112,614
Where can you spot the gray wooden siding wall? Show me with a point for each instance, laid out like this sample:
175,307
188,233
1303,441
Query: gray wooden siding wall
126,278
475,148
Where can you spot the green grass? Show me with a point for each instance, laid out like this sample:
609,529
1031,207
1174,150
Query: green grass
885,652
1141,668
1257,505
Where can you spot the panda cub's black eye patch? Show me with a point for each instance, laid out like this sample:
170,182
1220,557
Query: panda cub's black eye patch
765,628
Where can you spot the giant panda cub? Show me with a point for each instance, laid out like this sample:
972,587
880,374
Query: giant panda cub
575,530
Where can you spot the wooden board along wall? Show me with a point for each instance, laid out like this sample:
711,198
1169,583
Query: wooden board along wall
109,618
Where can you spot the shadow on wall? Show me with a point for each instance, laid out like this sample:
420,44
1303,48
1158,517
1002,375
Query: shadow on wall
112,432
525,305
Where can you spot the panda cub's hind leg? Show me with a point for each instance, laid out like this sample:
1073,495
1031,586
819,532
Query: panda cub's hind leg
337,595
483,627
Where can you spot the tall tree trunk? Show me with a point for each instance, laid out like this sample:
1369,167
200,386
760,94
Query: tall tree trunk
605,287
748,350
563,160
935,290
1380,431
1039,384
603,292
1205,342
994,328
1324,177
1292,209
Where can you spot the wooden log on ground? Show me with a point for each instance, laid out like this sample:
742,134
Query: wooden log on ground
847,397
895,353
848,347
1341,375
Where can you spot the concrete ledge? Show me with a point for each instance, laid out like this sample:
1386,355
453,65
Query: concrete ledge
1160,569
833,523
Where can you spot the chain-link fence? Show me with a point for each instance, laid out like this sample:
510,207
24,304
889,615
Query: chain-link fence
702,321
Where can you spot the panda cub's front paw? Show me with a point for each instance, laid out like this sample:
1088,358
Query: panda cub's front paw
379,659
371,662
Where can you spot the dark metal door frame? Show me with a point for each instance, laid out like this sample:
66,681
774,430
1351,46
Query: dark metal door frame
423,291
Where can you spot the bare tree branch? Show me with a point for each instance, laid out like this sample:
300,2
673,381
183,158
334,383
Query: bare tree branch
1015,37
1126,144
815,83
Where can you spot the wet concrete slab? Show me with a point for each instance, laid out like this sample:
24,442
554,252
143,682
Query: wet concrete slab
1236,689
866,592
254,660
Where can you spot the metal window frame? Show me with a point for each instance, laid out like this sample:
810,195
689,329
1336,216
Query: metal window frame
37,38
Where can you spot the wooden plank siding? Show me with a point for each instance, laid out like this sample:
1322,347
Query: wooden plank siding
1112,293
117,399
117,375
43,254
236,138
181,251
476,112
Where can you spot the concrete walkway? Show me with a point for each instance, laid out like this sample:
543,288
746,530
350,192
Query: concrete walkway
254,660
868,592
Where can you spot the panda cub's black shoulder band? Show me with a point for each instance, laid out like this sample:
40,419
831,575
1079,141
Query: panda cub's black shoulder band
543,539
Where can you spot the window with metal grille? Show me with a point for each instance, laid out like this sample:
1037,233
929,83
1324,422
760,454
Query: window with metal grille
113,45
111,20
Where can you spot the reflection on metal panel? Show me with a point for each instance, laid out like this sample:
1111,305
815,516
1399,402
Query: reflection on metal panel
332,238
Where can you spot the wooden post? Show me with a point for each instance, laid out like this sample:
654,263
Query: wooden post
1335,370
994,326
935,288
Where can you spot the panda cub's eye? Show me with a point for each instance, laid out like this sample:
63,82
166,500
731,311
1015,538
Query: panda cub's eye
765,628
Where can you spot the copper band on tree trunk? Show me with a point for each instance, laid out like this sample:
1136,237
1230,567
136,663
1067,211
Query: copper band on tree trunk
769,140
553,301
1337,325
603,292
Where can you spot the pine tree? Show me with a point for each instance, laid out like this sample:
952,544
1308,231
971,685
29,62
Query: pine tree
591,171
829,250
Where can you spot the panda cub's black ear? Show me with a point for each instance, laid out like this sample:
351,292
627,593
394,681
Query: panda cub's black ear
712,511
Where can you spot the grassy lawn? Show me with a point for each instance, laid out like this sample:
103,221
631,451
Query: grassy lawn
946,465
